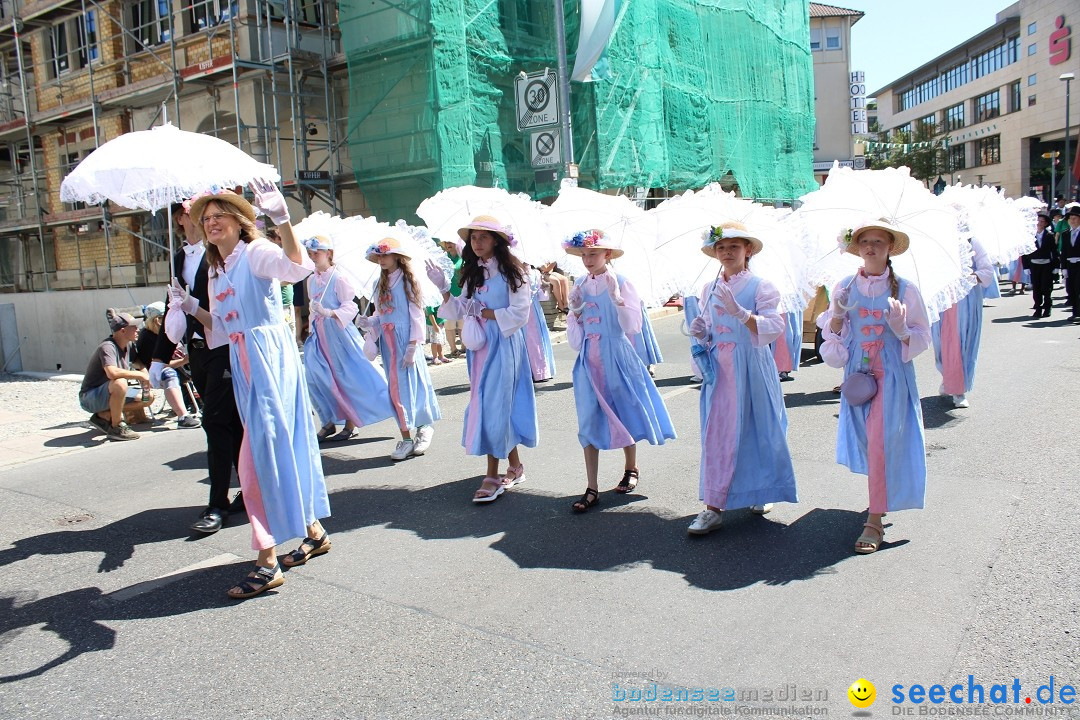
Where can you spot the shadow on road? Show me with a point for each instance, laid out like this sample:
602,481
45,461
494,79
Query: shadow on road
937,412
538,531
801,399
116,541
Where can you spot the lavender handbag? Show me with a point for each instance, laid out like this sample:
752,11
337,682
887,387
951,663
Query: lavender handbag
859,388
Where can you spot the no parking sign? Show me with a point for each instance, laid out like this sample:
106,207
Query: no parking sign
545,148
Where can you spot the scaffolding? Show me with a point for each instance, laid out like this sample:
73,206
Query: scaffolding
265,75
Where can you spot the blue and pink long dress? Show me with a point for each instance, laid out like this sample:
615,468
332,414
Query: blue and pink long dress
280,468
399,322
617,401
344,384
744,452
501,413
958,331
882,439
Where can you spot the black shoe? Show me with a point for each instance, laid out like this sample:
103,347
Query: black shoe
237,504
1036,315
1046,313
210,521
100,423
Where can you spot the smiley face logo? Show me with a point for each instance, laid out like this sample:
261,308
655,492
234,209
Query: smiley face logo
862,693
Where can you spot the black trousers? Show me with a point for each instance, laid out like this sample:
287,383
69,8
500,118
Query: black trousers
1072,287
220,421
1042,283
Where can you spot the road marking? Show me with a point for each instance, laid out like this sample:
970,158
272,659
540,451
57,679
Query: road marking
146,586
676,392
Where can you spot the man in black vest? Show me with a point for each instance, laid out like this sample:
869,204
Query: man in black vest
213,380
1042,262
1070,260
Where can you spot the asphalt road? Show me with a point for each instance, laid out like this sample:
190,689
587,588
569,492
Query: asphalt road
432,607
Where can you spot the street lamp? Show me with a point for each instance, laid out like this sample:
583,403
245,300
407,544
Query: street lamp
1068,78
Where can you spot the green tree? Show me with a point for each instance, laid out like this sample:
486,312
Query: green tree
924,154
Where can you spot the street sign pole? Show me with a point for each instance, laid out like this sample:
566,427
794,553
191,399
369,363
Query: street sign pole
564,90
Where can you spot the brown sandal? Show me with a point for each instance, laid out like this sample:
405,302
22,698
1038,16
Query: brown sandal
586,501
628,483
866,543
308,549
257,582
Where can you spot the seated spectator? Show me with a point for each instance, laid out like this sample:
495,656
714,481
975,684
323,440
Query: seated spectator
156,353
105,392
559,284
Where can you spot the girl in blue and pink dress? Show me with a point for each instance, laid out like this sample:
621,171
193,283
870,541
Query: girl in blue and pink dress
494,301
345,386
617,402
398,320
877,322
957,332
745,460
280,469
787,346
537,337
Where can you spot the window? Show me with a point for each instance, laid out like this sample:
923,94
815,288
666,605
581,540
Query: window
1014,94
815,39
207,13
904,129
1031,100
832,38
1032,49
929,122
988,150
958,157
983,64
59,62
1031,28
150,23
86,38
954,118
988,106
1032,79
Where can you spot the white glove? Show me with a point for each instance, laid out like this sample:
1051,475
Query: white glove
731,305
699,328
317,307
181,298
898,319
839,307
409,358
270,201
575,298
612,283
437,277
365,322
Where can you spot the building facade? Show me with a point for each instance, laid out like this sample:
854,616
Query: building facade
996,102
830,46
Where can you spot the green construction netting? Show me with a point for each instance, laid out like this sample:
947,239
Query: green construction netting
698,91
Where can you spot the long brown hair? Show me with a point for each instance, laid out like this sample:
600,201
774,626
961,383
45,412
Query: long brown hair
412,287
472,272
248,232
894,282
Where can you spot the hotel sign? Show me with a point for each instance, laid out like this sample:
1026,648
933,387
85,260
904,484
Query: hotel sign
858,103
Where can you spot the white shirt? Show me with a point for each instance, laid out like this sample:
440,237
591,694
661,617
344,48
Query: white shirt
193,255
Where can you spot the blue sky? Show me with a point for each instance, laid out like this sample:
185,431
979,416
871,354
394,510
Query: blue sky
894,38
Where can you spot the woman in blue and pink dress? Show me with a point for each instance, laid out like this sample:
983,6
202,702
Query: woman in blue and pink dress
745,460
399,323
345,386
877,322
957,332
280,469
537,337
501,414
617,402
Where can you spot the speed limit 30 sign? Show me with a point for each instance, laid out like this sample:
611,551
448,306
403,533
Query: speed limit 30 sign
537,100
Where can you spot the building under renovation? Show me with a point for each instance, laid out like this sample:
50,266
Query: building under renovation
369,107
